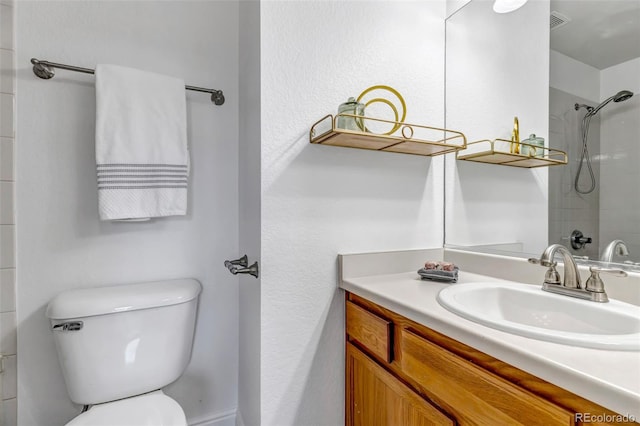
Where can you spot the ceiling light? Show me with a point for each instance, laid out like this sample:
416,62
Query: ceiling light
506,6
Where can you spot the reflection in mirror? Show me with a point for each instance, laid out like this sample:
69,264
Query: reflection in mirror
593,115
497,68
500,66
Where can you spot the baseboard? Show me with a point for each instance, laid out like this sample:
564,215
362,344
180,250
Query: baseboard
225,418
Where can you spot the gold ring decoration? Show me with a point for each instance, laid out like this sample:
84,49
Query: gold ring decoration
391,105
410,134
386,101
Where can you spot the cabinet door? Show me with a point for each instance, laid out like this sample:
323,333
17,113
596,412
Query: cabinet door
476,396
376,398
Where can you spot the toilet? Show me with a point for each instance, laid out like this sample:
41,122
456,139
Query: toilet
118,346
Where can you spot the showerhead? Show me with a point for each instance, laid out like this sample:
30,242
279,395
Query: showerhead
622,95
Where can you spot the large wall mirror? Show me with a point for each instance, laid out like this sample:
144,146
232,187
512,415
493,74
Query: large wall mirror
570,71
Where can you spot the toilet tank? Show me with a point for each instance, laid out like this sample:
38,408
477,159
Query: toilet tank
119,341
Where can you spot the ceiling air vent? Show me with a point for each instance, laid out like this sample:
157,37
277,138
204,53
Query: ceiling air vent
558,20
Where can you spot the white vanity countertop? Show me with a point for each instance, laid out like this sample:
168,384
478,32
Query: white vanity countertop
608,378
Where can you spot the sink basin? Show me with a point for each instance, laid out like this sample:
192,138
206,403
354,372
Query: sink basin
528,311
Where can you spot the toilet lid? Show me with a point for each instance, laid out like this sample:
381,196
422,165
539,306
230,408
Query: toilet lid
152,409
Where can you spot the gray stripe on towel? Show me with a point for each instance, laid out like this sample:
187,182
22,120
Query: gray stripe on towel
143,187
143,177
145,182
181,166
116,172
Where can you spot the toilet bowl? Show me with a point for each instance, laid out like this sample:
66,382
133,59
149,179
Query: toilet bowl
118,346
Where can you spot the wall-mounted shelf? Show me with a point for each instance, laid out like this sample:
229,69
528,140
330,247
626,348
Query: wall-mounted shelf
407,139
497,152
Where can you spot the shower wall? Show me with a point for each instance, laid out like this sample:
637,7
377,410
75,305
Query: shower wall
612,210
619,171
8,337
568,209
573,82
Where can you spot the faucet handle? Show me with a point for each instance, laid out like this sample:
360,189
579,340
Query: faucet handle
551,276
613,271
578,240
596,285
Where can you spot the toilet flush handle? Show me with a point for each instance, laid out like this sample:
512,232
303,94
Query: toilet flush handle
68,326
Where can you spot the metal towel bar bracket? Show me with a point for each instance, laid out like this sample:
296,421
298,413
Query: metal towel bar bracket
251,270
45,70
243,261
241,266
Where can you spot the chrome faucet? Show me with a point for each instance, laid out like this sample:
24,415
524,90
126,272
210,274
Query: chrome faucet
594,288
571,274
615,246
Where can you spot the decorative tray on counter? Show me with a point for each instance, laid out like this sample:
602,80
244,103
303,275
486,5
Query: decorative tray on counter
404,138
497,151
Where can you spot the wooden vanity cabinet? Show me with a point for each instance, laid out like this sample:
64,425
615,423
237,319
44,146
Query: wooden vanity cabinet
400,373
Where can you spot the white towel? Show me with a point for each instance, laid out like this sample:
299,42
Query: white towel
142,156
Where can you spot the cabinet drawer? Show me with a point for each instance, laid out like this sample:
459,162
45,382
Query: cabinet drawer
371,331
474,394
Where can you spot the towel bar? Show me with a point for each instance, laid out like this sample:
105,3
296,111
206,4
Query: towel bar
44,70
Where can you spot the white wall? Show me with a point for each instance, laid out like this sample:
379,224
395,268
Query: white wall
249,187
619,77
574,77
497,68
318,201
620,175
62,244
454,5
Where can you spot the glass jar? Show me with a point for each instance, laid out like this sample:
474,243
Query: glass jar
348,122
534,147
